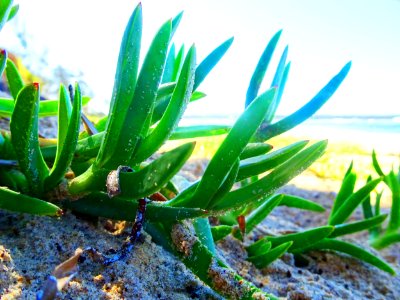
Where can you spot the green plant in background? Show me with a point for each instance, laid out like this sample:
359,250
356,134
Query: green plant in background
383,237
113,178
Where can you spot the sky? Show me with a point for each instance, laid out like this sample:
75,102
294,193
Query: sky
84,36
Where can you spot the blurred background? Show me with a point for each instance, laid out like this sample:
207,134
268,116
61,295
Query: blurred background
79,40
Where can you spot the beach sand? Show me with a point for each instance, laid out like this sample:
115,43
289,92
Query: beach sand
31,246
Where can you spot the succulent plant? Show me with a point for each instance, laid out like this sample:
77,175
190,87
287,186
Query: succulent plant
106,172
383,237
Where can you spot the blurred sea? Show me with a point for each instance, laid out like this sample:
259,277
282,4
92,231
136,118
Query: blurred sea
379,132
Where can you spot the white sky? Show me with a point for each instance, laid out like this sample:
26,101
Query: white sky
322,37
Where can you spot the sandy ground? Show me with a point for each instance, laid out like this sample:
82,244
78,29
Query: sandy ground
30,247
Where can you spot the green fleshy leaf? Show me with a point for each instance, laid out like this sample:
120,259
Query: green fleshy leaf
263,260
376,165
346,190
352,250
124,85
210,61
203,231
276,82
302,239
221,231
301,203
17,202
13,12
24,130
138,114
14,78
274,180
47,108
230,150
306,111
188,132
228,182
386,240
5,9
101,205
343,229
69,131
259,214
155,175
394,184
258,248
169,65
173,113
260,164
351,203
255,149
178,63
261,68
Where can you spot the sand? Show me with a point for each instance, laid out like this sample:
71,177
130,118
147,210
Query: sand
31,246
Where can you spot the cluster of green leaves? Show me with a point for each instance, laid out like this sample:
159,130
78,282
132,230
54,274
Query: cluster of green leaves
266,250
383,237
147,103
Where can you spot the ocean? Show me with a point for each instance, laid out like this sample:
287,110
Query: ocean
380,132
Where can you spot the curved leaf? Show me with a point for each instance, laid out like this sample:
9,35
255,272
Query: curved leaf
17,202
24,132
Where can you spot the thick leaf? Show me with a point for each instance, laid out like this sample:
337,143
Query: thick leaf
169,65
136,185
124,85
14,10
255,149
13,201
386,240
221,231
258,248
276,82
259,214
228,183
306,111
24,131
230,150
154,176
188,132
346,190
263,260
351,203
394,184
260,164
343,229
352,250
210,61
203,231
277,178
14,78
301,239
138,112
5,9
47,108
101,205
261,68
301,203
173,113
376,165
66,146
